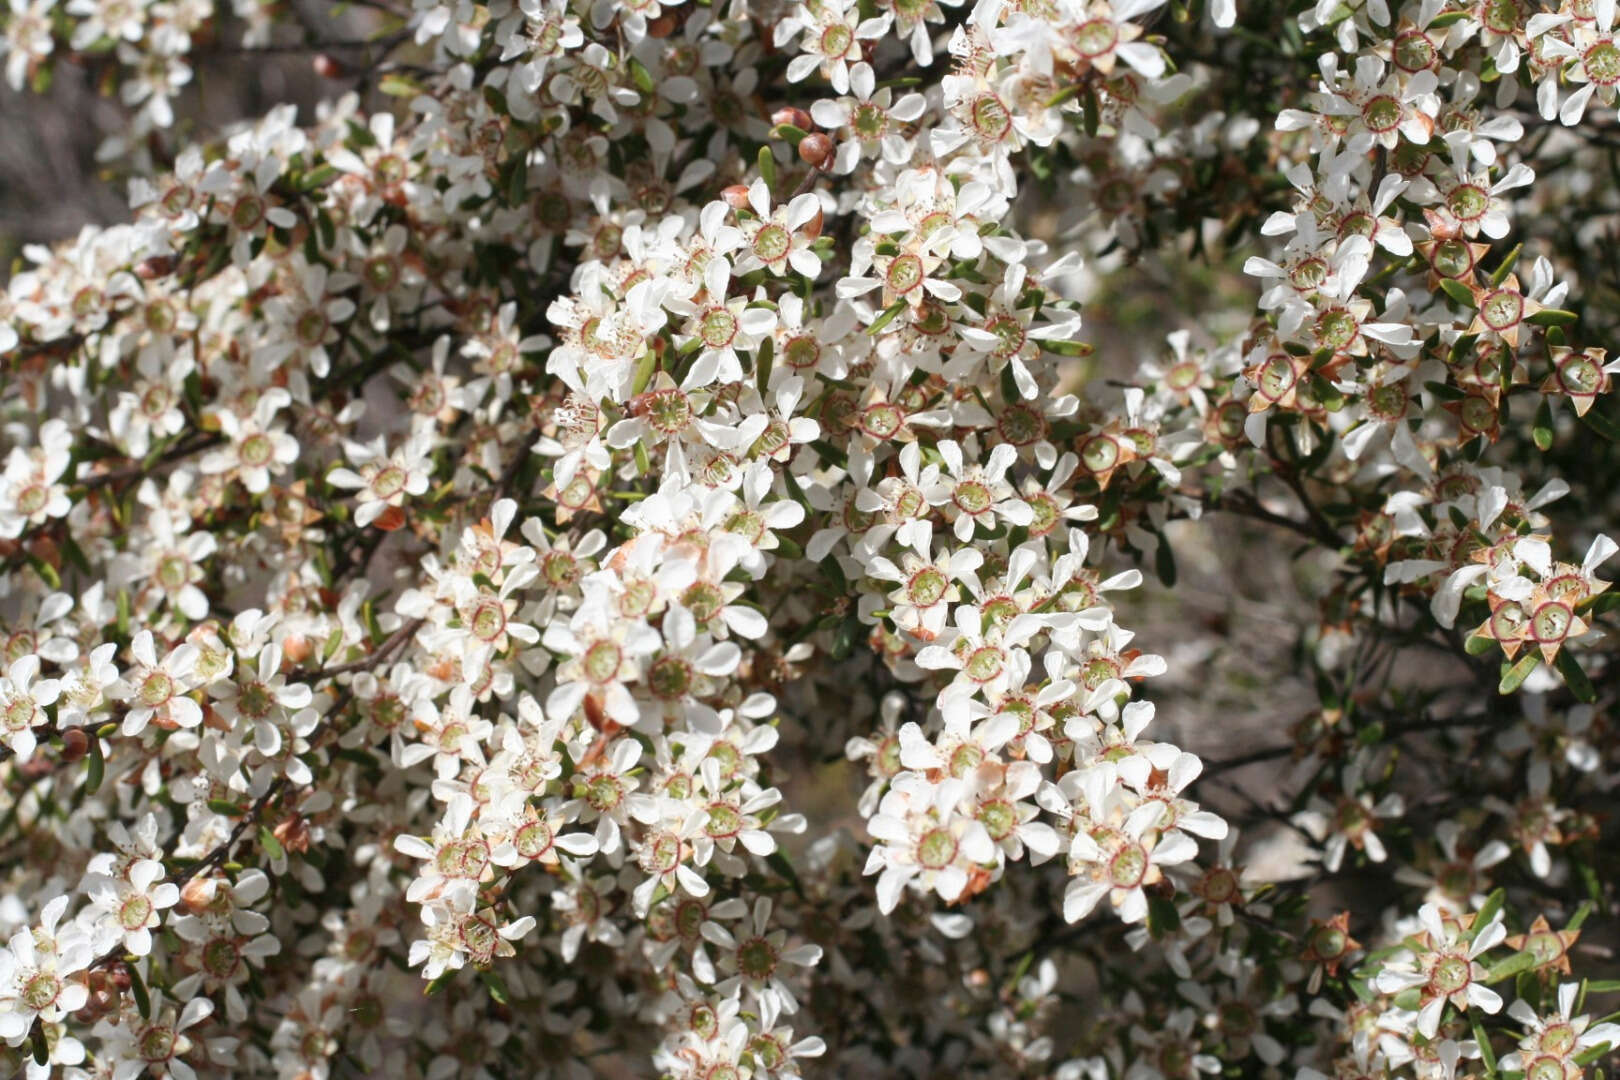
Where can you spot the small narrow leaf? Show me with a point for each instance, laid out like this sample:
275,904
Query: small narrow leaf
1542,432
96,768
497,987
1552,317
1574,676
767,167
1513,677
1506,969
1458,292
137,987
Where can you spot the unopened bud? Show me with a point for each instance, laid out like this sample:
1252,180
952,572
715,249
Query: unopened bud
793,116
327,67
155,267
293,833
198,894
736,196
296,648
816,150
75,744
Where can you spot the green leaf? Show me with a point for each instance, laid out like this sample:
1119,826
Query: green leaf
1484,1040
1601,424
1445,391
272,847
646,365
798,496
763,358
1326,393
1458,292
845,637
1163,918
396,85
1009,385
137,987
1460,348
318,177
1574,677
767,167
1080,349
784,866
226,807
96,768
1513,677
75,555
1591,1054
439,984
1164,561
1542,431
46,571
497,987
517,182
887,317
1506,969
1552,317
1500,274
1487,911
641,76
1478,645
1063,95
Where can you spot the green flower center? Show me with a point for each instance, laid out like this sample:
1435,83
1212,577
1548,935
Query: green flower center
601,662
1128,867
936,850
718,328
1096,38
1451,974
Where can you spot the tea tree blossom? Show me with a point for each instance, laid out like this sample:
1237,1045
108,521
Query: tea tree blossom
457,538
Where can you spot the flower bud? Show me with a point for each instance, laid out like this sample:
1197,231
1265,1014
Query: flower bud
296,648
793,116
293,832
816,150
75,744
198,894
327,66
736,196
155,267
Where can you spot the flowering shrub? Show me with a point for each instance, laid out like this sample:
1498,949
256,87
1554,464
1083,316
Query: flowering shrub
443,543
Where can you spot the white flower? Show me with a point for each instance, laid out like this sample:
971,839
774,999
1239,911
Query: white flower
130,907
36,970
156,689
22,702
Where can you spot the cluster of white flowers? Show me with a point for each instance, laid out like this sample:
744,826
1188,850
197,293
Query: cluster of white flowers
446,538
